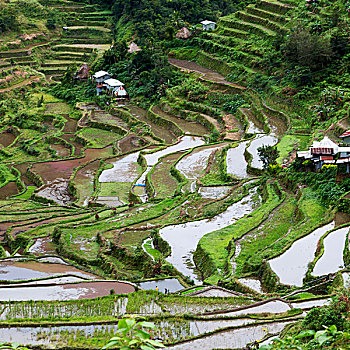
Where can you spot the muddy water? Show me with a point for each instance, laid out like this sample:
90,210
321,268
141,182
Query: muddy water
232,339
292,265
186,126
183,238
57,191
42,246
6,139
124,169
163,132
278,126
55,280
236,163
56,175
310,304
252,283
193,165
10,189
171,284
214,292
259,141
69,291
214,192
332,258
17,271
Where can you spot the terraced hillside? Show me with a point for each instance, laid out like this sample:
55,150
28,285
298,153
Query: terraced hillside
85,33
163,207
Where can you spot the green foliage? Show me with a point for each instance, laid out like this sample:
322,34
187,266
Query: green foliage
8,18
319,340
268,155
132,334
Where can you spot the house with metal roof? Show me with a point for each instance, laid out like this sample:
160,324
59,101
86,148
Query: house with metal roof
208,25
346,137
99,78
326,152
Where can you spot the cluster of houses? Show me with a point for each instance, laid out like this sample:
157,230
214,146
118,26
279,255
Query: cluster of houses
328,152
106,84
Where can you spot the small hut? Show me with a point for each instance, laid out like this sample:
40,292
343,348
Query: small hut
83,72
183,33
133,48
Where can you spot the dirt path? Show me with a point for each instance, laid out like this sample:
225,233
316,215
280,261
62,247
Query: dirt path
206,73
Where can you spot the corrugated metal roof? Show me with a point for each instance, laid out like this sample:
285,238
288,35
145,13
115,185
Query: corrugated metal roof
346,133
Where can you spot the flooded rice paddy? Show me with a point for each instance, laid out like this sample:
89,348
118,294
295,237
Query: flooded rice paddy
236,162
292,265
305,305
68,291
252,283
273,307
214,192
183,238
171,284
232,339
332,259
18,271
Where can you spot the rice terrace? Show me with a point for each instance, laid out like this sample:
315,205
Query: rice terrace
174,174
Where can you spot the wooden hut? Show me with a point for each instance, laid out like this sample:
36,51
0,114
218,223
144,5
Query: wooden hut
183,33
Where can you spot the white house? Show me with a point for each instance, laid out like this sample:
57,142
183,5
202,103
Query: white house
208,25
100,77
326,152
119,91
111,84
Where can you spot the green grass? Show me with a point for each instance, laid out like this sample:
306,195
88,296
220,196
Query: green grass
289,143
300,296
151,251
27,194
47,97
290,222
120,189
192,290
164,184
99,138
5,175
261,241
215,243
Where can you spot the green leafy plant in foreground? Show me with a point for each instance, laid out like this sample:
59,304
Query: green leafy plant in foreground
131,335
320,340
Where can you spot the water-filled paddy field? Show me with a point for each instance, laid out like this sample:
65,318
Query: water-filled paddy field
139,211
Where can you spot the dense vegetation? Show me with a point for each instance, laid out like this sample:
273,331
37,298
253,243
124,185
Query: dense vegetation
206,144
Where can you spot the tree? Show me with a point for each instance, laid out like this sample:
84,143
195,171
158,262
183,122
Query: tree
307,50
268,155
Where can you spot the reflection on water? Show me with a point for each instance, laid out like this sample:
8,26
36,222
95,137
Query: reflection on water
291,270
